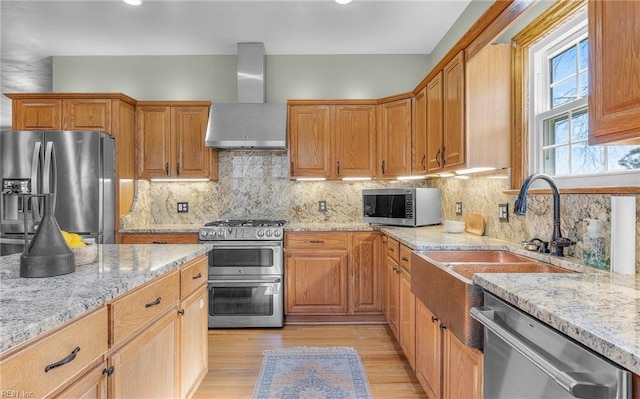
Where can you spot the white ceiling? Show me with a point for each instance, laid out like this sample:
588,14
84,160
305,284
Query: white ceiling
38,29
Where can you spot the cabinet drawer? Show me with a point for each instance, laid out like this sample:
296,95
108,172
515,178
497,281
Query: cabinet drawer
393,249
26,372
134,310
159,238
192,276
320,240
405,257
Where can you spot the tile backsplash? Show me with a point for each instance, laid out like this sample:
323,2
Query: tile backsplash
256,185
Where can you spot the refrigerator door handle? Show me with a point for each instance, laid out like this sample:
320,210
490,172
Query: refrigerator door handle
35,176
50,172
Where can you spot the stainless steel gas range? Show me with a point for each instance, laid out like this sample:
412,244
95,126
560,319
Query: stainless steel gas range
246,273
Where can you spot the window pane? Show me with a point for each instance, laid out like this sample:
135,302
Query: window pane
584,54
579,126
556,161
623,157
563,93
584,84
556,131
563,65
586,159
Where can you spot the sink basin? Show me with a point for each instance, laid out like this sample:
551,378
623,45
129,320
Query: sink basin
448,291
477,257
469,270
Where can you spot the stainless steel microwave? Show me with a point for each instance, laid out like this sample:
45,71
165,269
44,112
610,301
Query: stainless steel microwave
402,206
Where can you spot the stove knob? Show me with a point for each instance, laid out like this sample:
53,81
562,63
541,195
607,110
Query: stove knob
276,233
203,233
220,233
260,233
269,233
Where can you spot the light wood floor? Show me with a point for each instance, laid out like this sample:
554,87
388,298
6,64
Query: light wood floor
235,357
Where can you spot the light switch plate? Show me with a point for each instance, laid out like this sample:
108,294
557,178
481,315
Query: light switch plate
503,212
322,206
183,207
458,208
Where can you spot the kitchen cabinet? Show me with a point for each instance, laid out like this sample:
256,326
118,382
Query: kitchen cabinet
419,133
170,140
159,238
92,385
392,285
332,140
614,72
406,308
113,113
394,133
333,273
316,273
445,117
445,367
193,339
56,360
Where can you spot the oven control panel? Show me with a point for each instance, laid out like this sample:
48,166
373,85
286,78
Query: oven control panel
242,233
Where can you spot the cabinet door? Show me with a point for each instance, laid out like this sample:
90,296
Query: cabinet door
193,341
419,133
146,367
309,140
395,138
316,282
407,318
462,369
92,385
366,273
153,132
454,133
435,107
190,158
40,114
428,351
355,141
89,114
393,285
614,75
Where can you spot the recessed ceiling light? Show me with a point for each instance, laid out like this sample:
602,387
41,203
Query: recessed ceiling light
133,2
343,1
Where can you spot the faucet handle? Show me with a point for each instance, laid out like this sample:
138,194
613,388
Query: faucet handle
544,246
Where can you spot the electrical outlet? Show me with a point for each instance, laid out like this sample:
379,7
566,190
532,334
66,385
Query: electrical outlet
458,208
503,212
183,207
322,206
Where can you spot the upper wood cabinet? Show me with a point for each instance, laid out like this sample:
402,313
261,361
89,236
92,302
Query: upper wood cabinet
394,134
445,117
170,141
112,113
614,75
331,140
419,133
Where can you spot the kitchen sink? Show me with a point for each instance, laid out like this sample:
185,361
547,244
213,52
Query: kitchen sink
442,280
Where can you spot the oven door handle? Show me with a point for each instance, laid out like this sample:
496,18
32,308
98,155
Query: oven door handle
579,389
250,281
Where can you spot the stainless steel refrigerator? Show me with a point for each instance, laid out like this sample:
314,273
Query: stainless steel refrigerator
77,167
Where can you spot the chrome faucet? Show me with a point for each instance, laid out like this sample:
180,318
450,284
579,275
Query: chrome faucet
557,241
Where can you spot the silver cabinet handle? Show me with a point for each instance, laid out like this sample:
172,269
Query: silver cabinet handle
579,389
253,281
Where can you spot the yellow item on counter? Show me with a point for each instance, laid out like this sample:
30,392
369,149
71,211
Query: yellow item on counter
73,240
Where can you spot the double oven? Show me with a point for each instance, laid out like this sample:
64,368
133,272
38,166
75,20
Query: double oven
246,273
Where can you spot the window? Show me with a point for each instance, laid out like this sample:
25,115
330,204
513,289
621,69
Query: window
559,119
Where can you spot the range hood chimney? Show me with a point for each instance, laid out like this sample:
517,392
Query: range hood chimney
251,123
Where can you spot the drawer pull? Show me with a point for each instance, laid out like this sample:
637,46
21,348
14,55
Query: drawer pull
197,276
404,258
391,249
317,241
434,319
108,371
154,303
64,361
181,312
159,242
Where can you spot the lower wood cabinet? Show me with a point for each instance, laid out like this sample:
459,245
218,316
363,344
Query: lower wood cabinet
193,341
146,366
333,273
406,317
445,367
92,385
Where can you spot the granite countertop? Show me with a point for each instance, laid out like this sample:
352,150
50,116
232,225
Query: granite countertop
31,306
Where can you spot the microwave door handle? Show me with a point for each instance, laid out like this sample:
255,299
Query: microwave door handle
35,182
579,389
50,173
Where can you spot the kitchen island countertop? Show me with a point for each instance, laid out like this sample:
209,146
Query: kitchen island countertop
32,306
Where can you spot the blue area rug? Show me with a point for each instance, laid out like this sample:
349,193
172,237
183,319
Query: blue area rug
312,373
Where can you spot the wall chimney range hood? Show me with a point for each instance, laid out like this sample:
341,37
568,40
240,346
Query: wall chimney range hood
250,124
